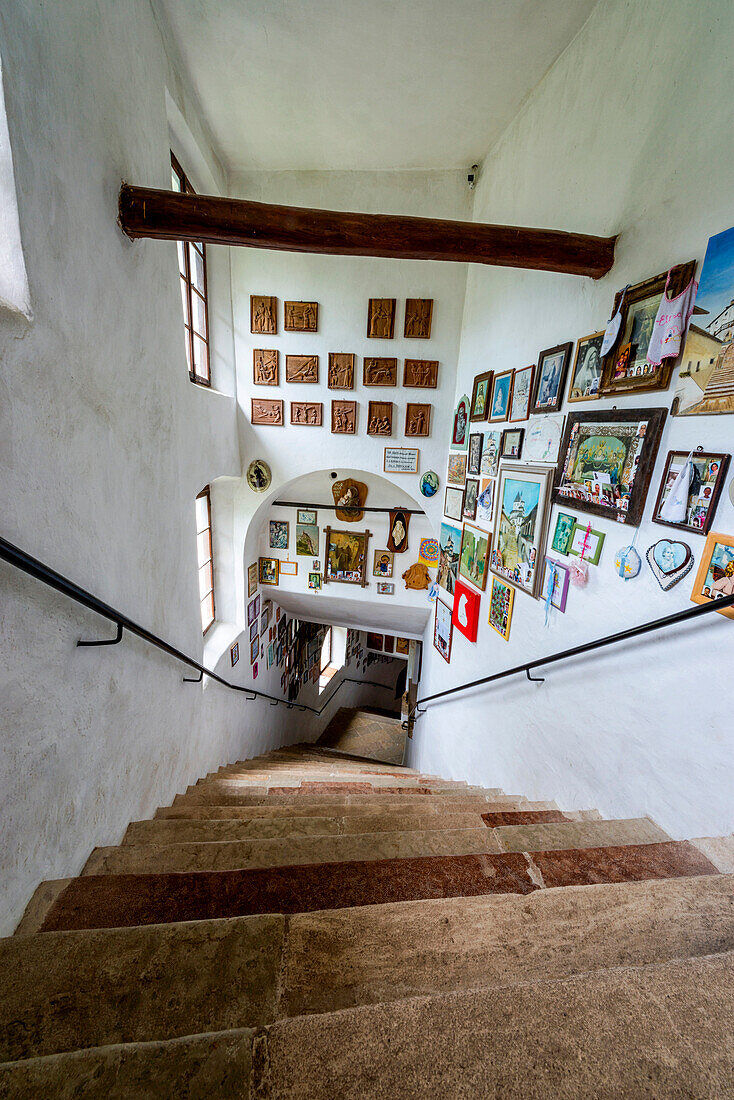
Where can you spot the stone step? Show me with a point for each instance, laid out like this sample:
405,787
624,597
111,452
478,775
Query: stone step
719,849
102,901
578,834
222,796
203,811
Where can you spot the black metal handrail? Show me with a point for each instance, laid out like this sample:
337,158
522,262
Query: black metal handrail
34,568
598,643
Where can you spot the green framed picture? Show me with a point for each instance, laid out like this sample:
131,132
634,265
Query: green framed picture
563,532
586,543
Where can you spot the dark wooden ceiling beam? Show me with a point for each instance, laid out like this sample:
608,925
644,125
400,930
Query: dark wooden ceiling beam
172,216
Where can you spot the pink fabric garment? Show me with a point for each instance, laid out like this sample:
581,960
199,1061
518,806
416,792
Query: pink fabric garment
671,324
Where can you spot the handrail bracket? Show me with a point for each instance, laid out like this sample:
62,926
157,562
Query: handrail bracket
104,641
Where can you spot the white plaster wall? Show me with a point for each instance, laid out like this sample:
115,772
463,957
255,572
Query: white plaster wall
628,133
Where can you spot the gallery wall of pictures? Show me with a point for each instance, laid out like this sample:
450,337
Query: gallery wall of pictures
547,459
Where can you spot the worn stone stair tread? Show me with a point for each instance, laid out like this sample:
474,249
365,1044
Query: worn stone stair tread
288,851
99,901
320,809
65,990
214,1066
662,1030
578,834
719,849
344,957
218,797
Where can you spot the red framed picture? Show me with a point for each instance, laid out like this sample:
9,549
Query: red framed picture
465,616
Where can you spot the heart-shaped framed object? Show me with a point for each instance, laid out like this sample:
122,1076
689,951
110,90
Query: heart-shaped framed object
669,561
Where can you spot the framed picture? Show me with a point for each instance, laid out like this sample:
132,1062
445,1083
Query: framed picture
345,557
454,503
512,442
522,388
481,394
460,432
234,653
417,420
550,378
490,453
402,646
501,599
306,516
465,615
279,529
449,544
254,631
314,581
543,438
474,457
556,579
520,522
269,570
586,372
289,569
715,576
625,368
252,579
456,470
471,493
385,588
254,650
375,641
473,555
586,543
400,460
707,481
606,461
485,500
443,630
253,611
562,533
382,564
307,540
501,396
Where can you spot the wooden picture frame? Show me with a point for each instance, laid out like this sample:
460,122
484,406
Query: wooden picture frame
443,630
306,515
620,491
550,378
341,370
512,441
474,454
300,316
379,418
453,504
418,318
420,374
252,575
265,367
586,372
715,571
501,396
302,369
456,468
264,314
474,555
343,417
343,543
381,319
522,390
307,414
520,526
707,487
471,495
379,371
417,420
639,310
481,395
288,569
269,570
267,412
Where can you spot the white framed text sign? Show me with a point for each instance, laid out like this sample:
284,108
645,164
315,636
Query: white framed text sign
401,460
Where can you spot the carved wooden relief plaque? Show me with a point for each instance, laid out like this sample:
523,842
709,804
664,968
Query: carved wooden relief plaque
381,318
301,368
267,412
380,372
418,316
379,420
263,314
344,417
265,366
421,373
341,370
417,420
301,316
349,497
309,413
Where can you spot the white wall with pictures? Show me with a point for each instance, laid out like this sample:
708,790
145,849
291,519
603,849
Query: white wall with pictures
643,727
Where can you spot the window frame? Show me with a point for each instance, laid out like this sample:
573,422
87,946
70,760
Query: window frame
191,290
205,494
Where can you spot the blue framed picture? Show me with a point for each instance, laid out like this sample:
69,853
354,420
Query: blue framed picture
501,393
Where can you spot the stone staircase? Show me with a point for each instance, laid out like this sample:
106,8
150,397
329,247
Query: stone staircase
309,925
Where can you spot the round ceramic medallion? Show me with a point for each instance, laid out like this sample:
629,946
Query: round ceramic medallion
429,483
259,476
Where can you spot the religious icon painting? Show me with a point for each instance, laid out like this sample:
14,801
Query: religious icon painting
269,570
522,388
456,471
418,316
465,615
481,394
550,378
501,396
715,577
501,599
460,432
473,555
585,382
381,318
443,630
518,543
397,541
471,493
382,565
279,534
474,457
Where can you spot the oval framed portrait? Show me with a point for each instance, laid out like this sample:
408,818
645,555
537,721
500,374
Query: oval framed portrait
259,476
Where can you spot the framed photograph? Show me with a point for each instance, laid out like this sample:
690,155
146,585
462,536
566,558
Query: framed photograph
289,569
460,431
345,557
512,439
465,616
473,556
704,490
474,457
443,630
269,570
307,540
543,438
252,579
606,461
485,500
454,503
400,460
490,453
481,394
522,388
586,543
501,599
382,565
306,516
471,493
375,641
520,523
562,533
585,382
550,378
625,368
456,470
449,544
314,581
556,578
279,529
715,576
501,396
385,588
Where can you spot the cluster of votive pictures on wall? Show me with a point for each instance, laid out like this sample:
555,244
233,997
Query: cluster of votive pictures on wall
502,481
377,371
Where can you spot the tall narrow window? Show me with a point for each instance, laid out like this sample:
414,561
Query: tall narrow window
192,270
204,555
